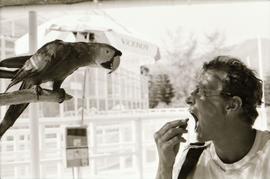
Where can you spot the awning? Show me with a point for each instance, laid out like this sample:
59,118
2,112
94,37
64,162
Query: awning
81,28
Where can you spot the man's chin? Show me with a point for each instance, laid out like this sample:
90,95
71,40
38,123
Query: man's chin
200,137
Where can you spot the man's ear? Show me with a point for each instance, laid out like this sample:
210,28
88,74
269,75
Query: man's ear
234,103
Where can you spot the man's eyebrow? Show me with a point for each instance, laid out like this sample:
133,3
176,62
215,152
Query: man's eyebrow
201,85
217,77
206,83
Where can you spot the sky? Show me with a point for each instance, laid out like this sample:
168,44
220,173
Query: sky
238,21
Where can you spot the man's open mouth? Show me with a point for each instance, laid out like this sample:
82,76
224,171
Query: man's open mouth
195,118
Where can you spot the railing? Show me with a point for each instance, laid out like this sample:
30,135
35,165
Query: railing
121,145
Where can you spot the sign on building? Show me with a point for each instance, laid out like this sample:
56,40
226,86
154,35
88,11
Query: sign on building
76,147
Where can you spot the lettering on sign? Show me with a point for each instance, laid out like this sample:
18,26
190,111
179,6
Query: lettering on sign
135,44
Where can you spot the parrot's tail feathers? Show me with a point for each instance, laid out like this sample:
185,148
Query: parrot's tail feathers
12,114
14,62
7,74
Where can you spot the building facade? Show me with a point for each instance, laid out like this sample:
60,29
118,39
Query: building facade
110,105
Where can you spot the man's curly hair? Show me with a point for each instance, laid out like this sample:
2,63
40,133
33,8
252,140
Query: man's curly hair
240,81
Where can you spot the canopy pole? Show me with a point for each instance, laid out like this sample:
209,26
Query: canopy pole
33,108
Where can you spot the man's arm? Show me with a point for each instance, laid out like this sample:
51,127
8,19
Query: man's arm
168,140
163,172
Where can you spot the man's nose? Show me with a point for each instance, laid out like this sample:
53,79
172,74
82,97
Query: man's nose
190,99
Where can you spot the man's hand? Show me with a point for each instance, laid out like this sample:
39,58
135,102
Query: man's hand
168,140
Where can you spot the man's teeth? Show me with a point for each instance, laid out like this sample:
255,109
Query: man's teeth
196,121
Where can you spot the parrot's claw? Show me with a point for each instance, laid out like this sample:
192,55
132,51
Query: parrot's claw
62,93
39,91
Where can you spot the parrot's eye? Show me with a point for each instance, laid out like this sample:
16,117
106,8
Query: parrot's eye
107,51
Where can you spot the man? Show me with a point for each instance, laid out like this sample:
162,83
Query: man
224,108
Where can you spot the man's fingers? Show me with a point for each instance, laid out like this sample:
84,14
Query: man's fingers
172,133
173,124
168,140
172,142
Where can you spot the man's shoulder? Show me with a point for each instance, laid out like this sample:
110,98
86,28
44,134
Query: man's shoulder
262,142
265,132
263,136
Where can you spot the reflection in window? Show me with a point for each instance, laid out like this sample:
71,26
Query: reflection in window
127,134
109,85
110,104
80,103
10,147
112,135
69,107
21,137
21,147
107,135
128,161
25,113
102,104
106,164
7,171
101,89
91,89
92,104
150,155
10,138
130,105
49,109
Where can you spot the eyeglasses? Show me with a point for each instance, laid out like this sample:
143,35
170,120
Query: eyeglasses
200,91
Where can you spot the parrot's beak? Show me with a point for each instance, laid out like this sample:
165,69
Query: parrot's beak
118,53
115,64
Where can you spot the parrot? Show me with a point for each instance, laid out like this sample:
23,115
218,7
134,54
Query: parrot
53,62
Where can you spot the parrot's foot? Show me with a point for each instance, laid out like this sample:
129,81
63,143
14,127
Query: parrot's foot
39,91
62,93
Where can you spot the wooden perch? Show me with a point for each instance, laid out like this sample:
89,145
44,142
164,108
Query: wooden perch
30,96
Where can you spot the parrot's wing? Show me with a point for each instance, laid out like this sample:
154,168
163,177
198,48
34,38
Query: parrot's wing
14,62
40,61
